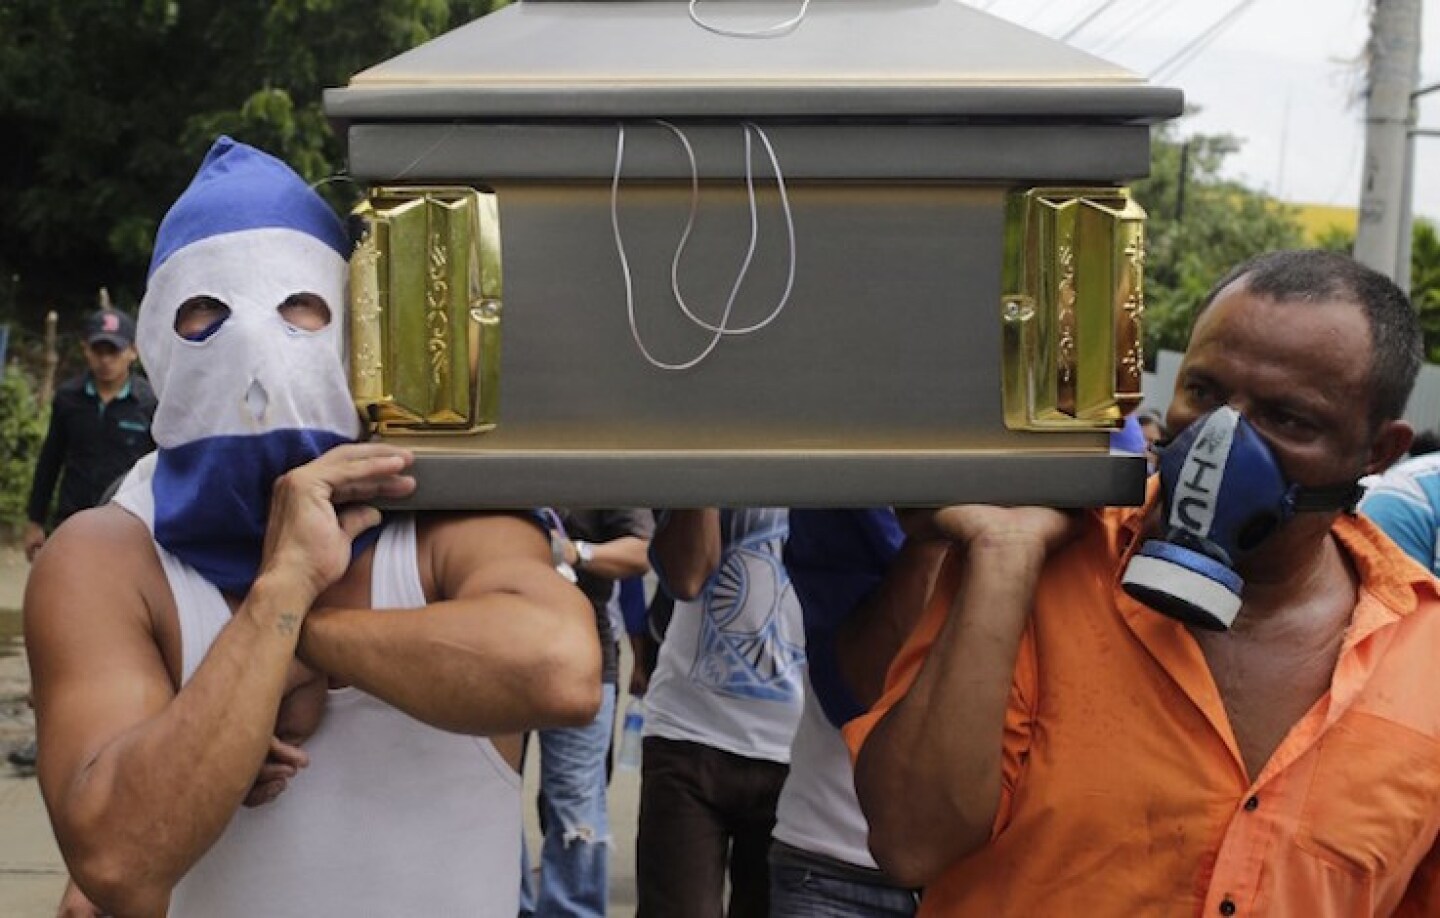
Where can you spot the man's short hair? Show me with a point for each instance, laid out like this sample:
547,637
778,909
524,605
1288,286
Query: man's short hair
1425,442
1396,346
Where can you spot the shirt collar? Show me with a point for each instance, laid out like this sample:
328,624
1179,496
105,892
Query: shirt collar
1387,575
91,390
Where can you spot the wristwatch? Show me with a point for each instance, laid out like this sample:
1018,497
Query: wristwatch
584,552
557,548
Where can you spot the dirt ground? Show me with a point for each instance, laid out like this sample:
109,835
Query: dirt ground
31,872
16,723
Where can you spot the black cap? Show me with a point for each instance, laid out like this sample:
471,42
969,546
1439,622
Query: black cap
112,326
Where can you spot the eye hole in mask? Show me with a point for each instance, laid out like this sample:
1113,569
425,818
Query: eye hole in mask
200,317
305,311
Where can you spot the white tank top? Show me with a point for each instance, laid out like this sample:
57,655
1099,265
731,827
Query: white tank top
392,818
818,810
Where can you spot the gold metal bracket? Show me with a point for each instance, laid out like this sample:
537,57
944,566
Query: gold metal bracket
425,309
1070,313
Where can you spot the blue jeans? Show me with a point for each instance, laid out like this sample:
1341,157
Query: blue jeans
575,856
805,887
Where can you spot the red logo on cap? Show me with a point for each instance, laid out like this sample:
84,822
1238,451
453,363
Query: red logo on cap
111,322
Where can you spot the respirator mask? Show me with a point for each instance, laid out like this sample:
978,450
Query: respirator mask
1223,494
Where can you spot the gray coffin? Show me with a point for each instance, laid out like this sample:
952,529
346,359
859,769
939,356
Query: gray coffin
899,126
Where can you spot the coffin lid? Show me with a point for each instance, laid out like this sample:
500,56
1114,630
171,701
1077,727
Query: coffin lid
846,60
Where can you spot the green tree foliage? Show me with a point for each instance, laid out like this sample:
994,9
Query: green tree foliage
22,430
106,107
1424,276
1200,225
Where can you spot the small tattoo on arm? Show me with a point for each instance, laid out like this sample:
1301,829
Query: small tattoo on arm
287,623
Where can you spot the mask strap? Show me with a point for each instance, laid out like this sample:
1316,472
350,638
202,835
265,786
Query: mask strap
771,31
1342,497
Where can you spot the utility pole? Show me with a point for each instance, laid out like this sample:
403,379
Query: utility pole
1183,178
1394,71
52,360
1407,237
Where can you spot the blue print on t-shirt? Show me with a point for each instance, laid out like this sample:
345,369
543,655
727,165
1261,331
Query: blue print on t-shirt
745,648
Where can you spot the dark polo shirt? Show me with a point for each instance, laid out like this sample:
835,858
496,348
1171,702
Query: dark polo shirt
605,525
89,445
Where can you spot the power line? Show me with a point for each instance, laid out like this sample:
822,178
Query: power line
1345,181
1197,46
1088,18
1151,12
1182,58
1279,190
1039,12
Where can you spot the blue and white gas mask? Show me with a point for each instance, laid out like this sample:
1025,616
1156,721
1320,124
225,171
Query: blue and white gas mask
1224,494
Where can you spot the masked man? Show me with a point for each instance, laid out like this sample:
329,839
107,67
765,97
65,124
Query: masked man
187,639
1222,703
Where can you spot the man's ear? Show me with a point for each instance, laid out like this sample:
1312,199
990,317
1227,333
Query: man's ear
1390,442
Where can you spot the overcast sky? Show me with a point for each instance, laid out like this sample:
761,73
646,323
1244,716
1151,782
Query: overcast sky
1282,78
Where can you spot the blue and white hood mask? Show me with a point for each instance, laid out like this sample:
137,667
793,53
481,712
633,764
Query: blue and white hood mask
258,396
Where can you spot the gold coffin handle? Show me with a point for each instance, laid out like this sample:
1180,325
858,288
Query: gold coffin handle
1070,313
425,309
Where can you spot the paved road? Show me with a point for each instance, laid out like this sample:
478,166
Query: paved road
32,874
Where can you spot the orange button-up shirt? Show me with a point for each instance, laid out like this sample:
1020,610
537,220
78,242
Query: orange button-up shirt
1123,789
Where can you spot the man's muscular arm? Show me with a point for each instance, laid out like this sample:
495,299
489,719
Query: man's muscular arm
928,777
139,778
509,646
871,637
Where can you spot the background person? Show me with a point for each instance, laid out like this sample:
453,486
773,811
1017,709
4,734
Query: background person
99,426
720,712
601,546
1404,501
1426,442
862,585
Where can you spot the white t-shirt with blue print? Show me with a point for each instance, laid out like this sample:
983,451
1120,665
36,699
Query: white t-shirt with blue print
731,671
1405,503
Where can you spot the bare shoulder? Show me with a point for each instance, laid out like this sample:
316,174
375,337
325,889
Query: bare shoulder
485,534
101,564
484,550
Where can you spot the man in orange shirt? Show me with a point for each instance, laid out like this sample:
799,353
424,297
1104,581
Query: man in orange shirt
1050,745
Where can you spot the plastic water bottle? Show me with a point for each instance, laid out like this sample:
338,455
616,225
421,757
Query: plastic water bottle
629,757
